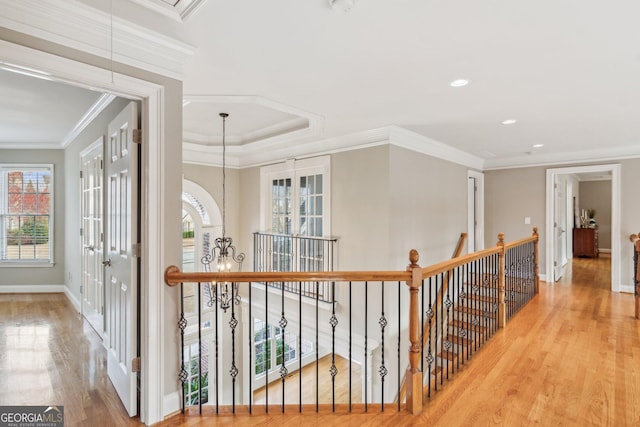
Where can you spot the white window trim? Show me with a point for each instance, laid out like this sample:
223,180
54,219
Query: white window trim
294,169
34,263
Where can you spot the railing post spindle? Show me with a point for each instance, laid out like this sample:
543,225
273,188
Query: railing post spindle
502,314
414,374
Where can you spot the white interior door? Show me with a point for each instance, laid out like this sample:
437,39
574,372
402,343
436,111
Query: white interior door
91,205
559,227
475,211
121,264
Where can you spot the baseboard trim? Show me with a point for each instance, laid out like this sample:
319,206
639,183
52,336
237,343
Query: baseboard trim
171,404
32,289
604,251
72,298
627,289
42,289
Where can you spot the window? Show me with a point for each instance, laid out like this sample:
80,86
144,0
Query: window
26,213
192,385
295,206
273,346
295,197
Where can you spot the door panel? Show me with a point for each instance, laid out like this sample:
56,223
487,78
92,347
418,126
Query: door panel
92,236
121,262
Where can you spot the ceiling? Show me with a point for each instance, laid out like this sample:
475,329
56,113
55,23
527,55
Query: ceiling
301,73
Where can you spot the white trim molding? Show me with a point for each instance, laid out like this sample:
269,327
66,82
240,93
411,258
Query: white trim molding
616,211
153,238
79,26
276,149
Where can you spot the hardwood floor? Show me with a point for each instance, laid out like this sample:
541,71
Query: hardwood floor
292,385
50,356
570,357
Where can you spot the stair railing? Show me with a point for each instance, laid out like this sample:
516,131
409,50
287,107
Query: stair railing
479,287
467,299
425,326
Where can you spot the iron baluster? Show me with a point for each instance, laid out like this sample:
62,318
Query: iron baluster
182,324
333,370
283,326
383,369
200,348
399,320
300,347
234,369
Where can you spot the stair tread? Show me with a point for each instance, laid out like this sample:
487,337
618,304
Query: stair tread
468,326
456,339
482,298
473,311
449,355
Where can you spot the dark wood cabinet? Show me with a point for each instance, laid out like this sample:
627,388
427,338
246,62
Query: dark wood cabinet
585,242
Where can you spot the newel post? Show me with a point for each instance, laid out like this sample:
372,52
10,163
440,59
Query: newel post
502,312
414,379
536,259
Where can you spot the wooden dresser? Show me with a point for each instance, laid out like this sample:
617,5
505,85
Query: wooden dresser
585,242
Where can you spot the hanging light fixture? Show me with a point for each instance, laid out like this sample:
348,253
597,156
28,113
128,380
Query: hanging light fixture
223,255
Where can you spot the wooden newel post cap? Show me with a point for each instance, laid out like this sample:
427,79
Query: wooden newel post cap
414,257
501,238
170,270
535,230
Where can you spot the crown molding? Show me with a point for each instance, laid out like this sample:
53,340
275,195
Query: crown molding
78,26
93,112
598,155
174,12
256,155
410,140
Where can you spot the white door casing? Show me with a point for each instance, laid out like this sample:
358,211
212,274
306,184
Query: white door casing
92,212
121,269
615,170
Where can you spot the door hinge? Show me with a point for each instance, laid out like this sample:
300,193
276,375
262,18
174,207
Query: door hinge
80,174
101,164
137,136
81,231
137,250
80,289
135,364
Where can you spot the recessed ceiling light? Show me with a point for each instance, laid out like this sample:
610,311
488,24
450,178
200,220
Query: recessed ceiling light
342,5
509,121
459,83
538,145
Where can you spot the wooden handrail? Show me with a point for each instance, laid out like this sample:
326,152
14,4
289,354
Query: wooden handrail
173,276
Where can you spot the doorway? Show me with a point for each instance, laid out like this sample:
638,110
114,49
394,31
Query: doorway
154,108
92,235
552,245
475,211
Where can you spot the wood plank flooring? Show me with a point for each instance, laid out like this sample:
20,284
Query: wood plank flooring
50,356
570,357
292,385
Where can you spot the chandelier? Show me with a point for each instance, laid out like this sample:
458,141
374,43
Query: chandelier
223,255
